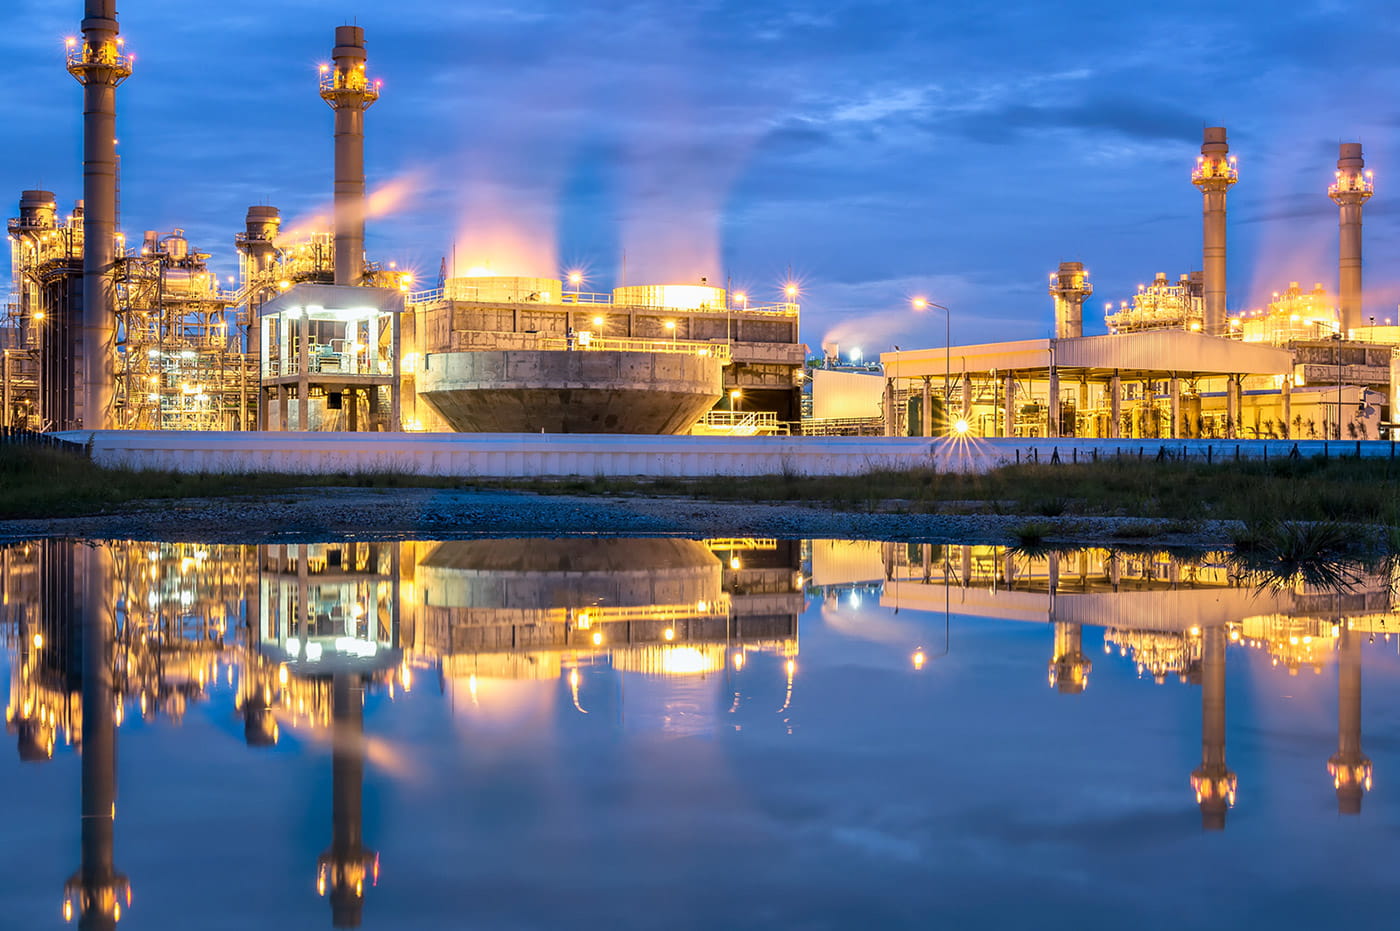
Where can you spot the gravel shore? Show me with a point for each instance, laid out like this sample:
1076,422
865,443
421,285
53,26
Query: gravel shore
380,514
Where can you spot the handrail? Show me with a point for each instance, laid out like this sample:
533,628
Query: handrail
585,341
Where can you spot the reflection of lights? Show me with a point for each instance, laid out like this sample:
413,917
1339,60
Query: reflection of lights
1195,631
734,562
739,659
597,639
919,659
282,674
670,633
684,661
38,641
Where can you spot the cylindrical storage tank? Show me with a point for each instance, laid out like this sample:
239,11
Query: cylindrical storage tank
675,296
564,391
37,209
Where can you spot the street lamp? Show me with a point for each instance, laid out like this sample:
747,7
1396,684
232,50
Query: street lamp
923,303
575,280
734,397
671,325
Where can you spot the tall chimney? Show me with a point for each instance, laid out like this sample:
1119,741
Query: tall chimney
1069,287
1352,188
1215,171
350,93
99,64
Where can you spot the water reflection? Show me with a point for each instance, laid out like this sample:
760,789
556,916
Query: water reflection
674,637
303,632
1170,613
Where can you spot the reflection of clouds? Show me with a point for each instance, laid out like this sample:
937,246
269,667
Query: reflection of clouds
875,626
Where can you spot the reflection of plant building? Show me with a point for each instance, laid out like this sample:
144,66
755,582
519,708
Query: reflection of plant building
326,627
1171,616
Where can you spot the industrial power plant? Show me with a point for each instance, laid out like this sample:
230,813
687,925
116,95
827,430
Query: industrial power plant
108,331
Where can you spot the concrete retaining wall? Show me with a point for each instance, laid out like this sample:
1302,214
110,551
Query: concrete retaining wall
511,455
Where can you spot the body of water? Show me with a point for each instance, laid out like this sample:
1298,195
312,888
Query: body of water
737,733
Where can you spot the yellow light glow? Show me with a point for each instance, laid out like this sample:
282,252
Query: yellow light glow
282,674
575,278
734,562
597,639
919,659
597,321
961,426
38,641
670,324
670,634
790,290
1195,631
741,297
39,315
685,661
920,303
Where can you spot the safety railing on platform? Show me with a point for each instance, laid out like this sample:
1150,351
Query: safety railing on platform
844,426
584,340
593,299
740,423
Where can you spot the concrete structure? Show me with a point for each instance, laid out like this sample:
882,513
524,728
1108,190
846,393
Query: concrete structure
350,92
572,391
1070,287
524,455
527,318
1354,185
1214,173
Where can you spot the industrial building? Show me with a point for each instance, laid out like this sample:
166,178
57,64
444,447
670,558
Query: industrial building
316,337
1174,363
106,331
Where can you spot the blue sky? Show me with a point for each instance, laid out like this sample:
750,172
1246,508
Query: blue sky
879,149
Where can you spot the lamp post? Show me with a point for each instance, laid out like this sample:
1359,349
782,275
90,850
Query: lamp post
671,325
923,303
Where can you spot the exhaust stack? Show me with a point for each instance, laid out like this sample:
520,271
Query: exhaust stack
350,93
1352,188
1069,287
1214,173
100,65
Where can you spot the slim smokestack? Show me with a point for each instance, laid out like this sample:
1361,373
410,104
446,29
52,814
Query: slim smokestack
350,93
1069,287
99,64
1352,188
1215,171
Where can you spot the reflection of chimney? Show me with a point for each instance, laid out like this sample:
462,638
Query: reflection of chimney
350,93
1215,171
1069,287
347,867
97,892
1069,667
1214,783
1350,768
1352,188
99,65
